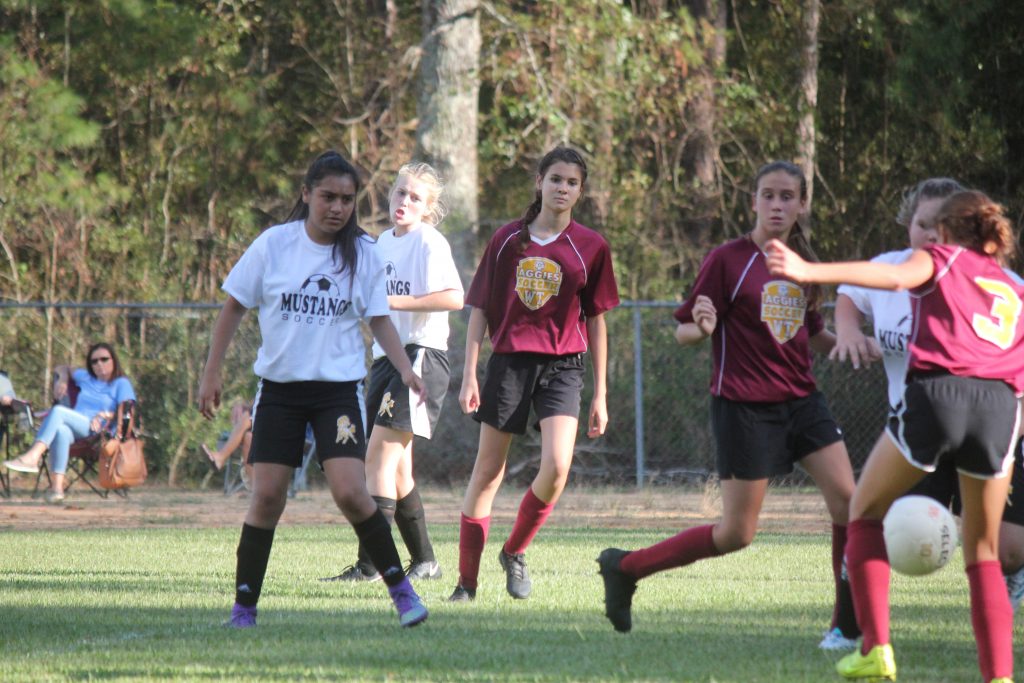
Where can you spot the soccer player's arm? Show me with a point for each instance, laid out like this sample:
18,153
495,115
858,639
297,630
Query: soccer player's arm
444,289
469,394
447,300
851,342
705,318
387,336
597,333
698,316
913,272
223,332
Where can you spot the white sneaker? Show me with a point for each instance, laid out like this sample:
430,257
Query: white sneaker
835,640
1015,587
19,465
52,496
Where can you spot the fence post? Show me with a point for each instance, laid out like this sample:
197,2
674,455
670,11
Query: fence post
638,393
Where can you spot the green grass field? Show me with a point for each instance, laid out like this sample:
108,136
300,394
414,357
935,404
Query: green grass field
147,605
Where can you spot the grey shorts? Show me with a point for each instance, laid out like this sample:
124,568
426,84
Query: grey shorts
394,405
964,420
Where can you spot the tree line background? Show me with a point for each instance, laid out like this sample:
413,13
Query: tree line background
145,143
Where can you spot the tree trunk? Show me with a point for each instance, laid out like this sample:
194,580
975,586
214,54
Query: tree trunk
808,98
446,133
700,154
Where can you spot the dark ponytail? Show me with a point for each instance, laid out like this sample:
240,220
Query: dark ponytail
797,241
345,250
564,154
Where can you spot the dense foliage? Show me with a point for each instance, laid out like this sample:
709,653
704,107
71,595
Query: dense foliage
143,143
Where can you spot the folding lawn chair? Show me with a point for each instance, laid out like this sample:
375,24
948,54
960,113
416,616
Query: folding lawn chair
84,456
20,408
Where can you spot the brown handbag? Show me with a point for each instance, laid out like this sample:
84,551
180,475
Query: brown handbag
122,462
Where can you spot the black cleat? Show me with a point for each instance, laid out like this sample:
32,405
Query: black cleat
355,572
430,569
517,579
618,589
462,594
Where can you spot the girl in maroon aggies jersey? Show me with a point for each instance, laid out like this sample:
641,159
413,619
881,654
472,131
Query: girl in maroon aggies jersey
766,413
541,291
965,372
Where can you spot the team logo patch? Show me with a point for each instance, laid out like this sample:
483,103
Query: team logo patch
386,404
346,431
783,307
537,280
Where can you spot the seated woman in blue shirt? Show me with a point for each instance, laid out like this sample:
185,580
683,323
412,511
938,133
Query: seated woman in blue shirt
101,387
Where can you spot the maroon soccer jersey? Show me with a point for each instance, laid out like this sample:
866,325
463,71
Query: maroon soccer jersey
967,318
759,346
537,300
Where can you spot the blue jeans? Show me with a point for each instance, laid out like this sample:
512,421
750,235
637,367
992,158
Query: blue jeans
60,428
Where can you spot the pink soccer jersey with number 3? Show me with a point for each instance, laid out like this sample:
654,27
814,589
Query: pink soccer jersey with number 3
967,319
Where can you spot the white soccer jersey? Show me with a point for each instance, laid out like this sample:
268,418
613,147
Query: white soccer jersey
417,263
890,313
309,313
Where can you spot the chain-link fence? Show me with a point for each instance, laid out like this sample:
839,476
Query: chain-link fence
657,392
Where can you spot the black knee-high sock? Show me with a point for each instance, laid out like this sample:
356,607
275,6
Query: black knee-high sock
375,535
253,553
412,524
387,506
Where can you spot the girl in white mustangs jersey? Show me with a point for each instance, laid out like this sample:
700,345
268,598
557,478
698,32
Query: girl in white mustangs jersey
313,279
423,285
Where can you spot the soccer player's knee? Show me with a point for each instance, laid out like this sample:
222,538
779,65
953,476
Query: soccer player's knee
1011,557
734,538
267,506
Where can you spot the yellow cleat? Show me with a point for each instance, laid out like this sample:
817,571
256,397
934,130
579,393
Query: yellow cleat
877,665
1004,679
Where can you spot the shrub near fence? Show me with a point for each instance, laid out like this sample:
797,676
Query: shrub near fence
163,348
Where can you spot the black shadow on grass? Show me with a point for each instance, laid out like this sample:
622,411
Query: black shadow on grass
496,641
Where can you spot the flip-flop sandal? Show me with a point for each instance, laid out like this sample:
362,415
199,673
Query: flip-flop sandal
209,454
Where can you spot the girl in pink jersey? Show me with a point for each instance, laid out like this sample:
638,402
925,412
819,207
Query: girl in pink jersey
965,372
541,291
766,413
890,313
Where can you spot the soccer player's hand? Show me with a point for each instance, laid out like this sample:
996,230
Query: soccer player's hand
855,345
784,262
598,418
705,315
209,396
469,395
415,382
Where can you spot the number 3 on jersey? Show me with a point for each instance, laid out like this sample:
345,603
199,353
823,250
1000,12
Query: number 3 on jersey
1000,326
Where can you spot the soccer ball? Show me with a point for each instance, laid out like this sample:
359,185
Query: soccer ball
920,535
319,284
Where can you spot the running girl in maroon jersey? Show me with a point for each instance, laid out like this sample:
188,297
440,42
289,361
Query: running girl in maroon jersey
541,291
964,377
766,413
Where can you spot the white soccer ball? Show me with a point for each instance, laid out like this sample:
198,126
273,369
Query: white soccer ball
920,535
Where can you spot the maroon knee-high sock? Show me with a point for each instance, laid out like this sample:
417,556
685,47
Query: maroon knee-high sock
867,564
680,550
472,537
992,618
843,614
533,512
